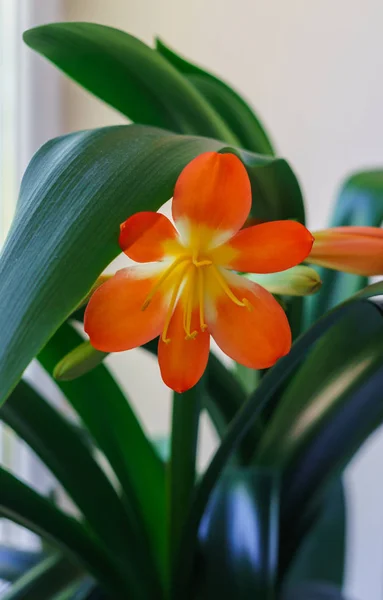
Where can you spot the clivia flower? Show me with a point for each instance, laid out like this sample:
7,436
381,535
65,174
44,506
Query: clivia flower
189,288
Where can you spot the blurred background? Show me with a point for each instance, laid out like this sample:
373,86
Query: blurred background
312,71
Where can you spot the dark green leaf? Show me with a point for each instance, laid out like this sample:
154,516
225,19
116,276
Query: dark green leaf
67,456
14,563
238,116
128,75
239,537
23,505
329,408
322,553
271,385
109,418
360,203
75,193
44,580
313,591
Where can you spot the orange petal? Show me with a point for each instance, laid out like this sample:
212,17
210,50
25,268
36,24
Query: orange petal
267,248
183,362
114,319
147,236
256,336
213,191
357,250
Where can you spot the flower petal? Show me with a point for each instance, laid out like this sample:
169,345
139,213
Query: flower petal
183,362
256,336
297,281
114,319
266,248
213,192
148,237
357,250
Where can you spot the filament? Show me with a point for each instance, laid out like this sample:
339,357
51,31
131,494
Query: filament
161,280
189,292
202,323
221,280
173,300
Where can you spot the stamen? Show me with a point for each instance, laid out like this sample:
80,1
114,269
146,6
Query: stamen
202,323
227,290
172,303
189,292
161,280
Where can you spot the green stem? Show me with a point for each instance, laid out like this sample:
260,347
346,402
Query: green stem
182,465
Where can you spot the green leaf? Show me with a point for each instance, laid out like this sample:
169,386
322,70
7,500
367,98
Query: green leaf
271,386
44,580
329,408
360,203
313,591
14,562
112,423
322,553
239,537
67,456
128,75
237,115
23,505
182,464
74,195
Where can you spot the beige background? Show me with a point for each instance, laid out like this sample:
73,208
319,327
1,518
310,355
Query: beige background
313,71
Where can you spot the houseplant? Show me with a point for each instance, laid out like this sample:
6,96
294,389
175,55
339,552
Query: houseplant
267,517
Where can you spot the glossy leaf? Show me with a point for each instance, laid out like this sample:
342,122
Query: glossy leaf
237,115
81,187
322,553
70,460
21,504
360,202
313,591
271,385
112,423
128,75
44,580
14,562
313,435
182,464
238,537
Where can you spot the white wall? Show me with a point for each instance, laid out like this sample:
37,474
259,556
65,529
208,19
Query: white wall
312,69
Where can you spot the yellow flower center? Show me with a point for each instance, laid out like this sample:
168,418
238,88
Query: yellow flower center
188,276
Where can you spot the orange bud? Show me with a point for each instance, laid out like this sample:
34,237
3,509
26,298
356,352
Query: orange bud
357,250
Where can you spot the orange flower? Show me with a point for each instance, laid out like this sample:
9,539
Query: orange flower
189,289
356,250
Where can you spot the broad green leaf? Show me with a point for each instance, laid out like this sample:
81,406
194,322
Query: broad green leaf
128,75
182,463
236,113
70,460
14,562
271,386
322,553
360,203
74,195
21,504
44,580
312,591
238,537
110,420
329,408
